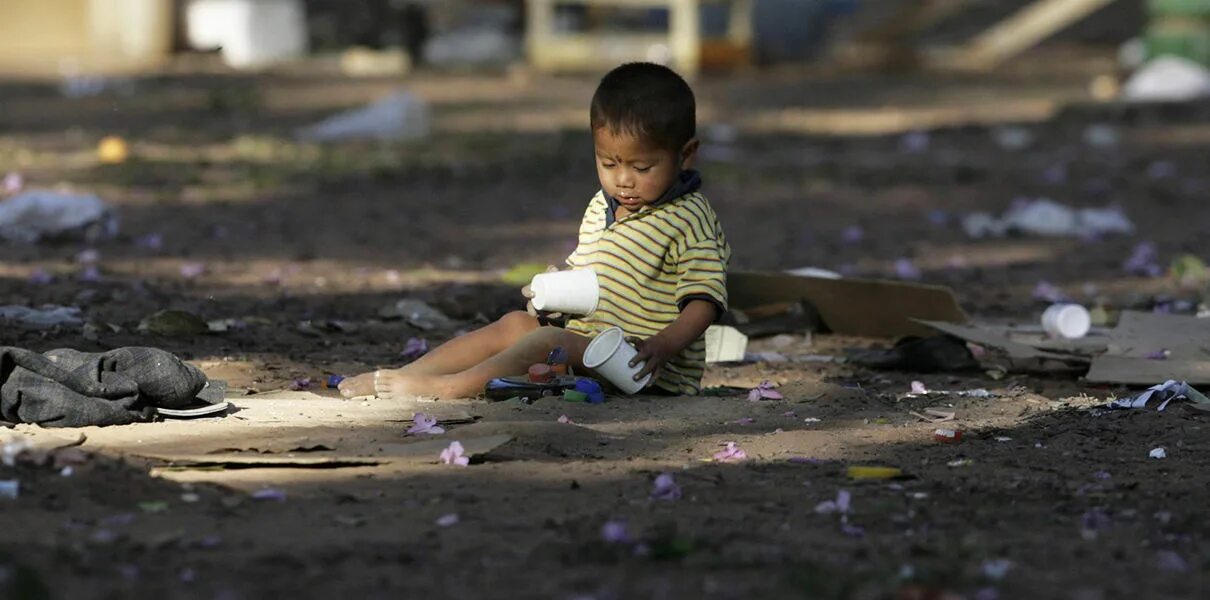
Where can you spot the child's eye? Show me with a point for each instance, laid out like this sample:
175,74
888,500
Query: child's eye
607,165
642,169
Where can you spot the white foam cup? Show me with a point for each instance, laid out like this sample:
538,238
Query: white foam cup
609,355
574,292
1069,321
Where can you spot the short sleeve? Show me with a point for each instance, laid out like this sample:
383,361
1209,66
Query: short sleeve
702,274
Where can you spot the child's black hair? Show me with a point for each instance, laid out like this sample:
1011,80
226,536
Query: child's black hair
646,100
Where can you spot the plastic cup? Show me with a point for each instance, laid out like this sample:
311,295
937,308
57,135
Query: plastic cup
1069,321
574,292
609,355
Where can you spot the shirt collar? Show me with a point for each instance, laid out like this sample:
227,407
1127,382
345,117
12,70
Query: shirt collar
687,182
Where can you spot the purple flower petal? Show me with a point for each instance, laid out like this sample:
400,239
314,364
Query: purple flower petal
566,420
415,348
666,488
40,277
192,270
89,274
918,388
422,423
907,270
448,520
744,421
731,453
151,241
300,384
269,494
615,532
852,234
1158,355
453,455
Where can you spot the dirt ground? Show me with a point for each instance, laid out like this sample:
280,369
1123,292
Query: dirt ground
1047,496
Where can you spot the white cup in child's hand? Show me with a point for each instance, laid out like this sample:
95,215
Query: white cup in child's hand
576,291
609,354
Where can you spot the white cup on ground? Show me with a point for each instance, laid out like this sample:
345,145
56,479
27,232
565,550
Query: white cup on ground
573,292
609,354
1069,321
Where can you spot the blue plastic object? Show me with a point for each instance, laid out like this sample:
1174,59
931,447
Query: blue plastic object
592,389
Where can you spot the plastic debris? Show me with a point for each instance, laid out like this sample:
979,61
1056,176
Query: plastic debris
399,116
731,453
447,520
418,314
1160,452
1045,217
948,436
1167,79
453,455
765,391
423,423
43,317
269,494
1164,393
840,505
665,488
37,215
874,472
10,489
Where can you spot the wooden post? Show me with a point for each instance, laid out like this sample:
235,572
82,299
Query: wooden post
685,35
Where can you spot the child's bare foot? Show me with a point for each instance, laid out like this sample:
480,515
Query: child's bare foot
361,385
393,384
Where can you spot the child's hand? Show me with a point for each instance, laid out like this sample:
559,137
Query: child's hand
654,351
529,294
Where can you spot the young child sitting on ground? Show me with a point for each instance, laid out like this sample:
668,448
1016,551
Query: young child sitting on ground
654,241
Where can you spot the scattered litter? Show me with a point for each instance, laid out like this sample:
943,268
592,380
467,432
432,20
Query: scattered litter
36,215
918,390
874,472
269,494
764,391
415,348
43,317
961,462
564,419
838,506
173,323
814,272
1161,354
1158,453
731,453
447,520
997,568
948,436
453,455
1143,261
811,420
153,507
725,344
935,415
1164,393
417,313
1045,217
424,424
1189,271
399,116
1003,438
1167,79
1066,321
666,488
10,489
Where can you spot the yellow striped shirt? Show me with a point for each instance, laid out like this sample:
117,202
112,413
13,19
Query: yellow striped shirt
650,264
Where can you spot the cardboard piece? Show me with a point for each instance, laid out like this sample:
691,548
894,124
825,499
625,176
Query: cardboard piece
859,307
725,344
1142,371
991,339
1139,334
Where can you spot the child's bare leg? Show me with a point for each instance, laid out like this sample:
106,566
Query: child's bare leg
532,348
456,355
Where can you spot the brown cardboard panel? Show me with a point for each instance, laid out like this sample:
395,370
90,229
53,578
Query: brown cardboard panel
992,339
1139,333
1141,371
860,307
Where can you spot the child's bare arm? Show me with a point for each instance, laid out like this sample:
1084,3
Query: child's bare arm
661,347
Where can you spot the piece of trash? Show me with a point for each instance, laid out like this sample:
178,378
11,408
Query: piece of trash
1066,321
36,215
731,453
447,520
225,325
333,381
173,323
1003,438
453,455
615,532
415,348
43,317
725,344
193,270
917,388
1164,393
765,391
1158,453
269,494
1168,560
996,568
10,489
1167,78
1045,217
744,421
423,423
948,436
874,472
112,150
665,488
417,313
961,462
811,420
935,415
815,272
1143,261
153,507
1162,354
398,116
839,506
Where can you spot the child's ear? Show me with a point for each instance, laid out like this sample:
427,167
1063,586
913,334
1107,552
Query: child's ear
689,153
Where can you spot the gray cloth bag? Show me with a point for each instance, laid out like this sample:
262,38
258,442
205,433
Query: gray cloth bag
68,388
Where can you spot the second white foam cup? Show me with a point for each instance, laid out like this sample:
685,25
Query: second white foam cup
609,355
1069,321
574,292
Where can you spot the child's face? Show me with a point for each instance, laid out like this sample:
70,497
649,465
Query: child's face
634,171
